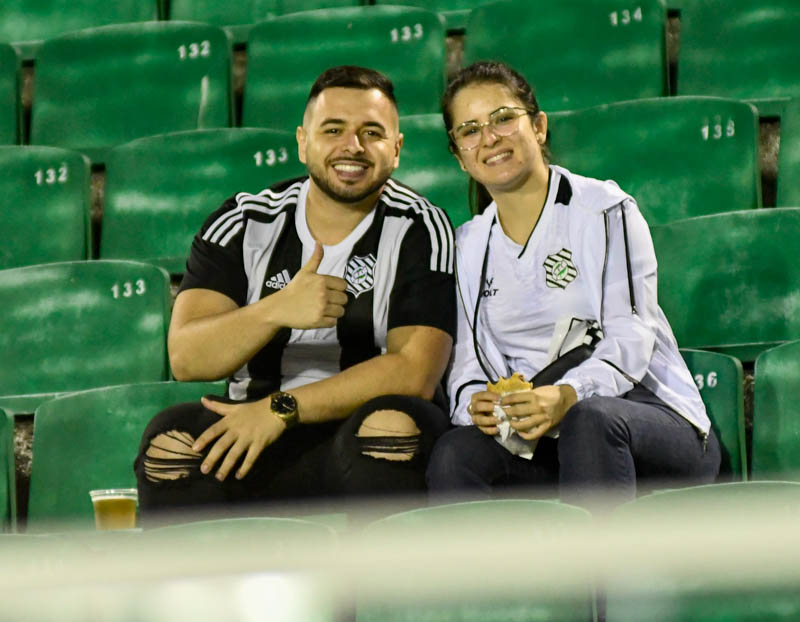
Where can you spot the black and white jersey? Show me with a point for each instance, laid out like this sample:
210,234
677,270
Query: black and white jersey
398,264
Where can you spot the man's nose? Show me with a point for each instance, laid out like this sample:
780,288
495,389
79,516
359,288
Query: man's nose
353,143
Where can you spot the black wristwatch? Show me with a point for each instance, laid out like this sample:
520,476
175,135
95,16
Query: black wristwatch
284,406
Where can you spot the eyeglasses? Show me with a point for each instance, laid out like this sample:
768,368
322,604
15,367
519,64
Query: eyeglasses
502,122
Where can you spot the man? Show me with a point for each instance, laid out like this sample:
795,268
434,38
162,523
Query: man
328,302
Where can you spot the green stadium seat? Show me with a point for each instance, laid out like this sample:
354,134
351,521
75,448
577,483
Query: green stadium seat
427,165
719,378
729,282
664,589
44,199
239,17
164,187
89,440
575,53
744,50
455,12
101,87
285,534
9,95
776,414
789,156
77,325
286,54
478,519
693,155
8,494
26,23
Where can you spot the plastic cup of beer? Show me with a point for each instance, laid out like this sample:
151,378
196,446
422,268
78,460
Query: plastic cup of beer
114,508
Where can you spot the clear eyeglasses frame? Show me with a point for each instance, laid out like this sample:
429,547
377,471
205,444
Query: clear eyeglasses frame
502,122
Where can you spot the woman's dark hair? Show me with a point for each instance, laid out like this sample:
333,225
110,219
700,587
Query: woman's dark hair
487,72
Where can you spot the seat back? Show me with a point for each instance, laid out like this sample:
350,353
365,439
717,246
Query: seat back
44,200
427,165
719,378
742,50
9,95
776,414
101,87
463,522
27,23
8,494
239,17
455,12
97,433
693,155
789,156
163,187
76,325
722,277
405,43
622,44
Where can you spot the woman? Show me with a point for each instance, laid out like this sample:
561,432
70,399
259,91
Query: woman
554,250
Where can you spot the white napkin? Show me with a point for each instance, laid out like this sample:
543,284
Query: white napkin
509,438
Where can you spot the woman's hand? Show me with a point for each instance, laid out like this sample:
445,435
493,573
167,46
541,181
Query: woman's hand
481,409
246,427
534,413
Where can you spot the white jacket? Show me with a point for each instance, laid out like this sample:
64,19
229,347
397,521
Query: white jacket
618,275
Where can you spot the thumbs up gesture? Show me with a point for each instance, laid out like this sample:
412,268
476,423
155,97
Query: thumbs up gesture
312,300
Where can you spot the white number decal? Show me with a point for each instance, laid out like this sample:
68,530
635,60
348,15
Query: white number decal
195,50
706,381
50,176
406,33
712,129
270,157
128,288
625,16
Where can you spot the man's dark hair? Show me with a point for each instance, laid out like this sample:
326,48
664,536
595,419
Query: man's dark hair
352,77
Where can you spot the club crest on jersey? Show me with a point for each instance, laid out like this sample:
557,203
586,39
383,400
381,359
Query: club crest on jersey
559,269
360,274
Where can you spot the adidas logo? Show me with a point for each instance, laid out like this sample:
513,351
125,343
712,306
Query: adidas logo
279,281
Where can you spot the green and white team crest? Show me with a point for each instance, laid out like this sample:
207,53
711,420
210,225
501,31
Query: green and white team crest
360,274
559,269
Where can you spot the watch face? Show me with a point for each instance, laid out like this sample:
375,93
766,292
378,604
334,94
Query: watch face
283,403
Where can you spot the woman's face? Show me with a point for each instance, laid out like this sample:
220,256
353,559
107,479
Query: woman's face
501,163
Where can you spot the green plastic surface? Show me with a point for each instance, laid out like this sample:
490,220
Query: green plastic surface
677,156
8,500
789,156
27,23
719,378
575,53
455,12
239,17
44,200
287,54
744,49
88,441
105,86
9,96
77,325
776,414
164,187
427,165
729,282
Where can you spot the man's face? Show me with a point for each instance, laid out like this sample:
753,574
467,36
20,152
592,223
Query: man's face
350,142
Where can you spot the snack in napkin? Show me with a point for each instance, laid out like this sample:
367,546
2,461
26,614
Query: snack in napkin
510,385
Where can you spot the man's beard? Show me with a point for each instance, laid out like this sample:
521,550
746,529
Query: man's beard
346,195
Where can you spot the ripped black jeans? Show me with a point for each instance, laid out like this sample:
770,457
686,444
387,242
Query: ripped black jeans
307,461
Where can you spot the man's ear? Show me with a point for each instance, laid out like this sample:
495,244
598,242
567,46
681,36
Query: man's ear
301,136
398,146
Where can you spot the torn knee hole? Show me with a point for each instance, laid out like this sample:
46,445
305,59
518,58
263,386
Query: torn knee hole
170,457
389,435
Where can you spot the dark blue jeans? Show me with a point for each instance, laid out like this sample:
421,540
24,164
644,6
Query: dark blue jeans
607,448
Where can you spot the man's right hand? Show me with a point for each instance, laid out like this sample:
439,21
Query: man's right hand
481,409
312,300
